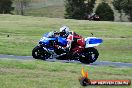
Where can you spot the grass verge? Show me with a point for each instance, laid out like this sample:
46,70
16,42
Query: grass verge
41,74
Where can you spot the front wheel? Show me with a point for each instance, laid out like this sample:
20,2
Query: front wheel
39,53
90,55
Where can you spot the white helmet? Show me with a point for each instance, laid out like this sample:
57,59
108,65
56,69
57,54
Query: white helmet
64,29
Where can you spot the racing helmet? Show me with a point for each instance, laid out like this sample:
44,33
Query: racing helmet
64,31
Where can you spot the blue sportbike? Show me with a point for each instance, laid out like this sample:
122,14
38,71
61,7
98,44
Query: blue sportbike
46,49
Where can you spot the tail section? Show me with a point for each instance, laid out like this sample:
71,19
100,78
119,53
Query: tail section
92,41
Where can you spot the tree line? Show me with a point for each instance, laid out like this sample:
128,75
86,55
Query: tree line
75,9
123,6
6,6
78,8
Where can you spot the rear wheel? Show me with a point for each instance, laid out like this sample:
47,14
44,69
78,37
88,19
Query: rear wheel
90,55
39,53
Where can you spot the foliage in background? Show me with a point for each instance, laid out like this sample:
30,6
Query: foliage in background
6,6
123,6
20,5
76,9
118,5
90,5
105,12
128,8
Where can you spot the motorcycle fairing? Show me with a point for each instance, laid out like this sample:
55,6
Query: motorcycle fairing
46,41
47,37
92,42
62,41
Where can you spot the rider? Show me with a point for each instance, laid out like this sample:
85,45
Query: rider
64,31
75,43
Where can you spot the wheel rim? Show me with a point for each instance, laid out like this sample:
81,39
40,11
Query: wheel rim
92,55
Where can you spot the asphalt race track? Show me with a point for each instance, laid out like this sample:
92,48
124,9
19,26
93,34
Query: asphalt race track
97,63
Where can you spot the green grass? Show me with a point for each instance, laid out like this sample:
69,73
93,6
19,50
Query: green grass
49,11
25,32
41,74
45,8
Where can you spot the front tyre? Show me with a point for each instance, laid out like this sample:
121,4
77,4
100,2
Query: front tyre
39,53
91,54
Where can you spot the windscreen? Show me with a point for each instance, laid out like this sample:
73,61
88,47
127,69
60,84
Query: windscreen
49,35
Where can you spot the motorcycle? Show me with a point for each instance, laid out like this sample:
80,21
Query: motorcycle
46,49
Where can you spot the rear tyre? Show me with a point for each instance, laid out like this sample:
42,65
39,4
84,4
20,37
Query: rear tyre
39,53
91,55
